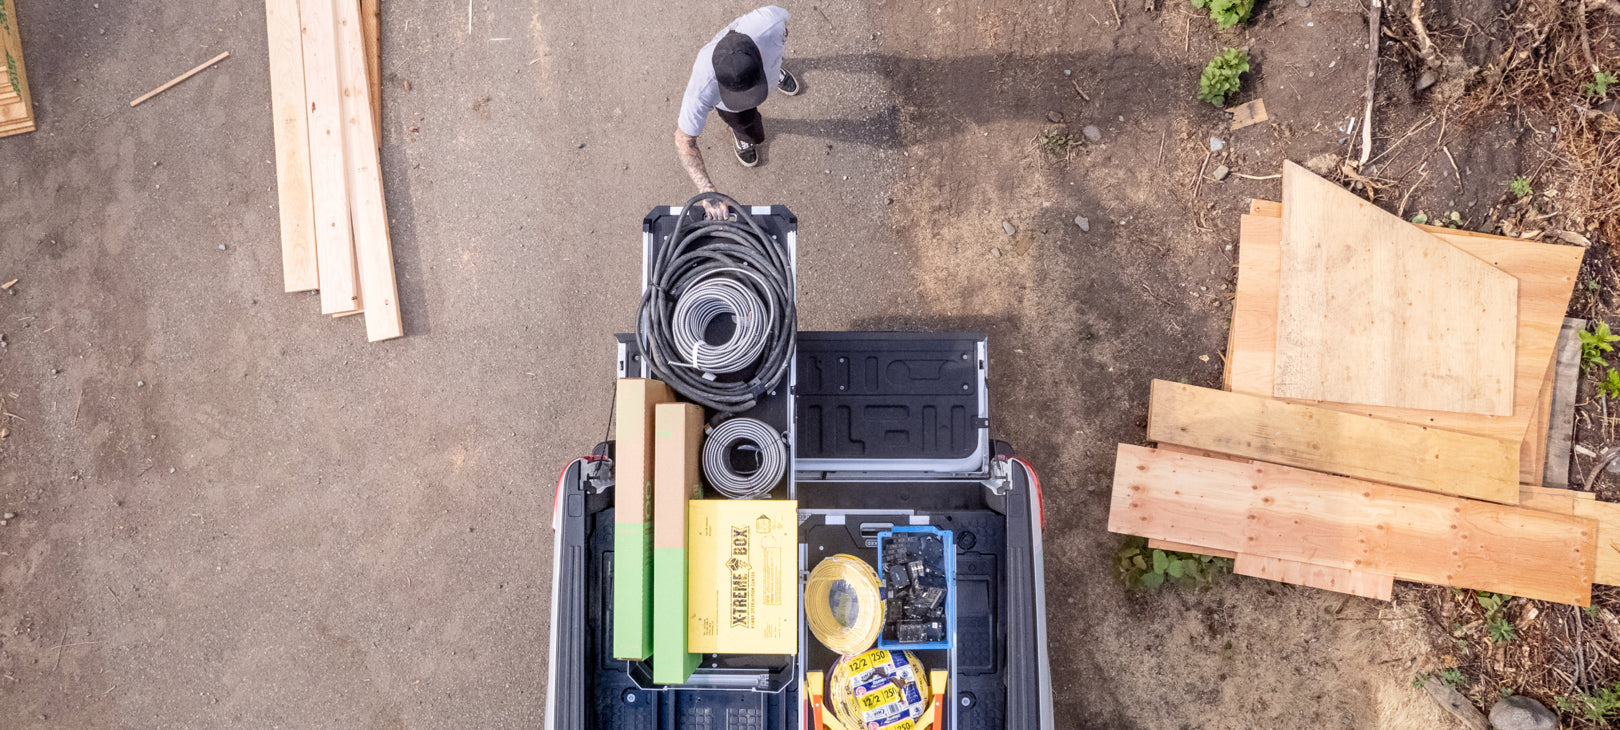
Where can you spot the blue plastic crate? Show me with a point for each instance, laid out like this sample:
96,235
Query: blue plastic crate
949,549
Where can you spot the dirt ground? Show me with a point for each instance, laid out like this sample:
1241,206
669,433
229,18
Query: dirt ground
233,512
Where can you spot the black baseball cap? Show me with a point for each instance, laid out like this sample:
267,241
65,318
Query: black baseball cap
741,72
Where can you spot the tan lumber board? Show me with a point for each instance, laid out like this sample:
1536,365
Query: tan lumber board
374,255
1546,273
1583,504
1607,515
17,116
1356,583
371,25
1297,573
1375,311
199,68
1178,547
1326,440
1561,417
290,128
1533,448
1295,514
334,241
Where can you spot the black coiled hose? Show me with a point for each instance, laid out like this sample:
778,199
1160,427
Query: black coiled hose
729,267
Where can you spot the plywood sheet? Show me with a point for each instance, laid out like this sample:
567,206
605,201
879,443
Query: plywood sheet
1533,449
1304,516
1305,574
1584,505
1546,274
1353,582
1374,311
290,127
1331,441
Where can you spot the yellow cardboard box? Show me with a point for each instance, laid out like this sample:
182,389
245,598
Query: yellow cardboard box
742,577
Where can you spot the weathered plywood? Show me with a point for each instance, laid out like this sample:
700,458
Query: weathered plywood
1374,311
1331,441
1276,511
1353,582
1546,274
290,128
1561,414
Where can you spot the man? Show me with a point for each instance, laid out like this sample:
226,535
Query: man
732,76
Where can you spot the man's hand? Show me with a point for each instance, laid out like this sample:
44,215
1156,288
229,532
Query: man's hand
714,210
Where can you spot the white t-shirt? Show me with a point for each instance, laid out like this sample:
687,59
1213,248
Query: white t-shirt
768,27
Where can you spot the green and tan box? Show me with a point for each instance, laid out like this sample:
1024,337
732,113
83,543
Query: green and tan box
677,451
632,514
742,572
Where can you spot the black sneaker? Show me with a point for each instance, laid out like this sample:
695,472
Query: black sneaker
787,84
747,152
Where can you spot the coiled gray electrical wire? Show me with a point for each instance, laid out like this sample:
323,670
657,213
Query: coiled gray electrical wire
685,293
741,433
715,295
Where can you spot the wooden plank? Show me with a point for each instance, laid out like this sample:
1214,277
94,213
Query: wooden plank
363,173
1185,548
371,25
1243,115
1297,573
1561,416
334,241
1374,311
1326,440
1355,583
1546,273
291,131
199,68
17,115
1276,511
1607,515
1533,448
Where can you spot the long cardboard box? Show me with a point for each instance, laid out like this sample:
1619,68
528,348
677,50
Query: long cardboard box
632,513
677,451
742,576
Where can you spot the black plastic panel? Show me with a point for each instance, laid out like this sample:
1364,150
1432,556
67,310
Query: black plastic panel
888,395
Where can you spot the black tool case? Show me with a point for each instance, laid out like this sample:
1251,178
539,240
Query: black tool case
886,429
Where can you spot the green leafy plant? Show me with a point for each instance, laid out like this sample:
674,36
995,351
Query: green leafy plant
1596,708
1521,187
1609,386
1056,142
1453,219
1599,87
1221,76
1420,219
1452,677
1592,610
1492,603
1595,344
1140,566
1501,630
1418,680
1226,13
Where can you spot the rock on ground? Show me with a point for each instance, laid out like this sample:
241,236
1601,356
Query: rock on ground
1522,713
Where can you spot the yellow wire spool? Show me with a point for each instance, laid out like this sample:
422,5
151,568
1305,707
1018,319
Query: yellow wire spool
879,689
842,604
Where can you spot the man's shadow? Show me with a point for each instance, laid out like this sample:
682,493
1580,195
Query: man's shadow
934,99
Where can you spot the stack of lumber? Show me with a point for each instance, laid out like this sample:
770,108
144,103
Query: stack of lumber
325,88
1385,414
16,106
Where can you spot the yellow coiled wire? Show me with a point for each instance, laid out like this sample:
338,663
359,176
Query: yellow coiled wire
843,605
